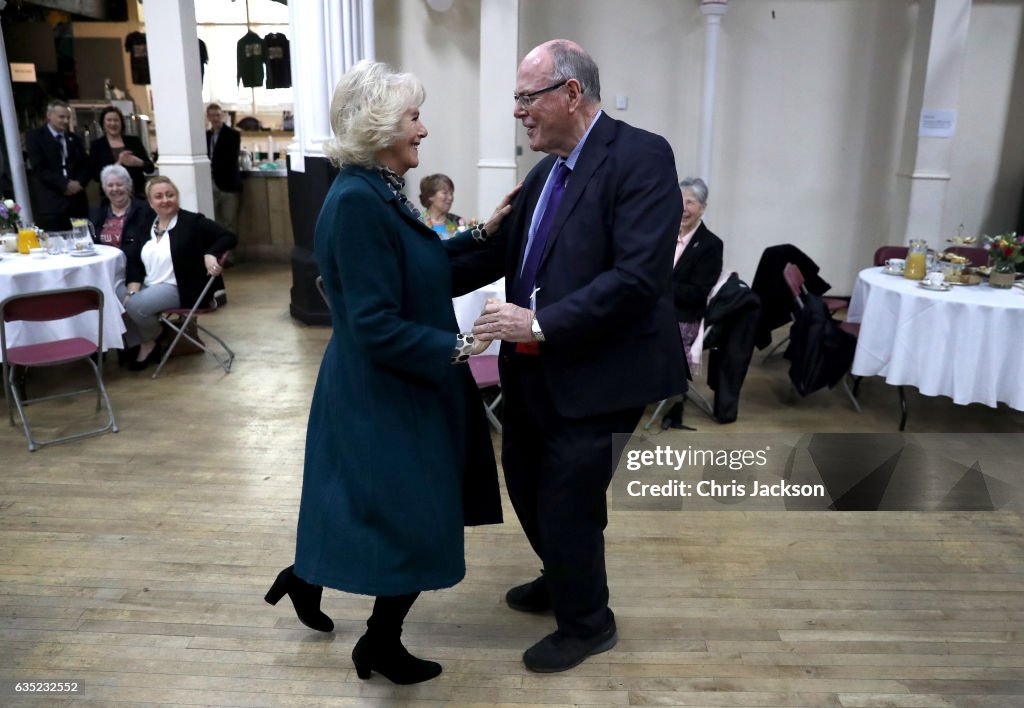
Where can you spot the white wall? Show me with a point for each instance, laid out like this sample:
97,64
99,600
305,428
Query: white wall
811,101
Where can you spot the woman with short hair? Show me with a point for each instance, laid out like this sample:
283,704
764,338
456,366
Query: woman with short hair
122,218
437,192
398,453
116,148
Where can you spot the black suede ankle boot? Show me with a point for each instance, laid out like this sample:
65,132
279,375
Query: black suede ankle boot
305,599
388,657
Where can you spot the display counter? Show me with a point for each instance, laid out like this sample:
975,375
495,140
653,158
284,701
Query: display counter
264,221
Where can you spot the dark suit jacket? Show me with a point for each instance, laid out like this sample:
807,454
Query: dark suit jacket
695,274
605,305
224,162
45,156
101,155
192,237
136,224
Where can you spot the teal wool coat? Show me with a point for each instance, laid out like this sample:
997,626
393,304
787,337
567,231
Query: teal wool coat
398,453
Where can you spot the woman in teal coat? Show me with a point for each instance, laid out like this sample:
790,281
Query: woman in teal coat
398,453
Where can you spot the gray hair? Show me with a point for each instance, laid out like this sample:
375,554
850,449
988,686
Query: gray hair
571,62
57,103
366,112
697,187
117,171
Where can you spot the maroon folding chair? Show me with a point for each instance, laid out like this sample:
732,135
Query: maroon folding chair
186,316
50,306
485,372
884,253
976,255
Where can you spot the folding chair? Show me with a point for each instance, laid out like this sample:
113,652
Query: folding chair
884,253
186,317
484,368
48,306
320,289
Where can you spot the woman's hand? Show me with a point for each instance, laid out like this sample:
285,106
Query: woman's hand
127,159
479,347
212,264
502,210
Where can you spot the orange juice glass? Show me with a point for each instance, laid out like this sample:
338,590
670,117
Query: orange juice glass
917,263
27,239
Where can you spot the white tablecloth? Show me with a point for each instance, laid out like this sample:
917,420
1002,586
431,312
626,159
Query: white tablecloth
21,274
468,307
966,343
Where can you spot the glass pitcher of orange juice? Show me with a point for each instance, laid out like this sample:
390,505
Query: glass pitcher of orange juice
917,259
27,238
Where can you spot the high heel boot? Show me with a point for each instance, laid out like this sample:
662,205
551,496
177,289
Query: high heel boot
305,599
388,657
381,650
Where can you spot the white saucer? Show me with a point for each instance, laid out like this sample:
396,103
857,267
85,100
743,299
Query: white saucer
85,254
890,271
941,287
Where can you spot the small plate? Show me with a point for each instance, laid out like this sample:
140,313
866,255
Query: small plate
942,287
891,271
85,254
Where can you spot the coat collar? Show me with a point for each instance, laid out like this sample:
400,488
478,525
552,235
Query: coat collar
380,187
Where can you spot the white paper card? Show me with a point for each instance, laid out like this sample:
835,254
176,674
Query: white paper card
937,124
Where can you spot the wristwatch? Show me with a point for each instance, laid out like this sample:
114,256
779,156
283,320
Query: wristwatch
538,333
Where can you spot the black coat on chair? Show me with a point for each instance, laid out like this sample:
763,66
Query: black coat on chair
776,297
695,274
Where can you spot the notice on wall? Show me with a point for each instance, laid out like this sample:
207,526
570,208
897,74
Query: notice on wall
23,73
937,124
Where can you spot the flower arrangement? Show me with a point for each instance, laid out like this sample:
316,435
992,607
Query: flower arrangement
10,215
1005,249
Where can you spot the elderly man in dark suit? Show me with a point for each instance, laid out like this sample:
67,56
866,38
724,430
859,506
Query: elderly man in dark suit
223,144
589,334
60,169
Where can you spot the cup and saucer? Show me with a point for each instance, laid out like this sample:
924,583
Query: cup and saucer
84,252
894,266
935,281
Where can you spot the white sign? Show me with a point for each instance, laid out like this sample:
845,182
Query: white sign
937,124
23,73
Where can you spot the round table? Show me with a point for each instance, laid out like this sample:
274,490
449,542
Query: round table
965,342
21,274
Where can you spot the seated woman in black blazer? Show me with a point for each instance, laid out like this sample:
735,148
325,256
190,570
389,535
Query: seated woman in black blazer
697,267
168,267
121,219
116,148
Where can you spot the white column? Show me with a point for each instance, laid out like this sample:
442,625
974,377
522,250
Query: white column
12,134
939,54
496,167
328,37
178,101
713,11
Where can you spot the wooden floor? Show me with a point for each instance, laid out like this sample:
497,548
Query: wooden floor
135,564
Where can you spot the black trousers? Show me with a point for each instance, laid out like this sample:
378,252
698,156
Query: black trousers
557,472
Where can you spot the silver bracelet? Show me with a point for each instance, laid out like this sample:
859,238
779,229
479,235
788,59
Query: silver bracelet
479,234
464,343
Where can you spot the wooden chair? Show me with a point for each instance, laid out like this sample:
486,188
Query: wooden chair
50,306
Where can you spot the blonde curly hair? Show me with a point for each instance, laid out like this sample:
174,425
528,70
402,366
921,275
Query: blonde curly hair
367,110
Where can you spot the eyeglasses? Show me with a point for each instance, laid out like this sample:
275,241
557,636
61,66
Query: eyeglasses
525,100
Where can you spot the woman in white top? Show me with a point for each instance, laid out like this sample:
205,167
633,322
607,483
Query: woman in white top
168,267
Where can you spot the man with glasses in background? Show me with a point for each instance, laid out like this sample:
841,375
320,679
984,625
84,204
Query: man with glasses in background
589,336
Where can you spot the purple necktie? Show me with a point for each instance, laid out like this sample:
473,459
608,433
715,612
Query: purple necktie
528,277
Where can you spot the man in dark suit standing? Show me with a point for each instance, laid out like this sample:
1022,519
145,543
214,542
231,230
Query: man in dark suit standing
589,335
60,170
223,144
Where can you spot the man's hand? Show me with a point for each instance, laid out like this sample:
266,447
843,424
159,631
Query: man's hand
505,321
74,187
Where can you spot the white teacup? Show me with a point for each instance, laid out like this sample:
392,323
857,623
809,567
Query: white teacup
896,263
935,279
9,242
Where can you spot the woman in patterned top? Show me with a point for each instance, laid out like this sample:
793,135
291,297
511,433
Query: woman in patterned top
437,192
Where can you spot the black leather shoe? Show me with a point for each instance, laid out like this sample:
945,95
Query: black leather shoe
390,659
305,599
151,358
530,597
558,652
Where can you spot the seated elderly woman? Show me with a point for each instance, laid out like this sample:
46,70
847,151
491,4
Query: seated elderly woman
121,219
698,263
436,195
168,266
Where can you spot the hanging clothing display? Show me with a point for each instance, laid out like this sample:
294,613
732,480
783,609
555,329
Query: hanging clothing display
135,45
250,60
277,54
